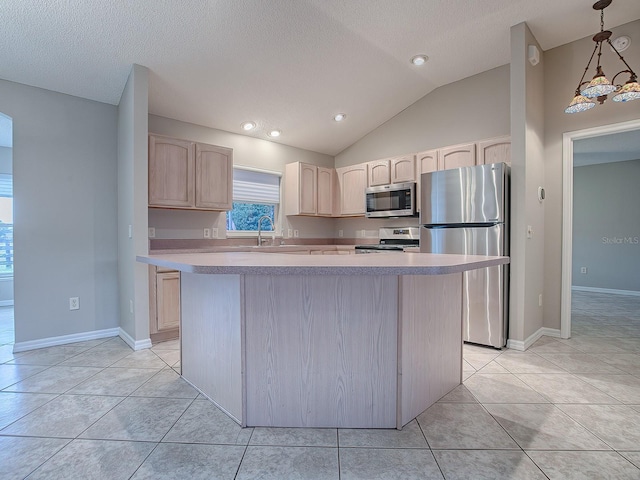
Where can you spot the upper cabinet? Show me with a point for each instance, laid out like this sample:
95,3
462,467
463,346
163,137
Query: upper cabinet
214,177
378,173
189,175
457,156
171,172
426,162
403,169
326,194
352,181
301,189
391,170
494,150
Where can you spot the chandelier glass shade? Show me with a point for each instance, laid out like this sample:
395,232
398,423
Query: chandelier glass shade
600,87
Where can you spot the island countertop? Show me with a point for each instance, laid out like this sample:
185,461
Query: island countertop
258,263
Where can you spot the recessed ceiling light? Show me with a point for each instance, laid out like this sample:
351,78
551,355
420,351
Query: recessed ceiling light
419,60
340,117
274,133
248,126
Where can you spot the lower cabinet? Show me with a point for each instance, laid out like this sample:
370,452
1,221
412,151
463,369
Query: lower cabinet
164,304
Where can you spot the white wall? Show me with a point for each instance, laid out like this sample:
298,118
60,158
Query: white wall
563,67
527,161
64,152
133,277
247,151
471,109
606,226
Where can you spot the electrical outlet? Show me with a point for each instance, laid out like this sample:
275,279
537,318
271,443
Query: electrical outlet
289,233
529,231
207,233
74,303
152,232
214,232
583,270
341,233
296,233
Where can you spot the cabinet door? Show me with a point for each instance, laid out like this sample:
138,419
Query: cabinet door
326,182
300,189
457,156
495,150
171,172
379,173
214,177
403,169
426,162
308,192
352,181
167,300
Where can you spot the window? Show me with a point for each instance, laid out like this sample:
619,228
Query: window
6,224
255,193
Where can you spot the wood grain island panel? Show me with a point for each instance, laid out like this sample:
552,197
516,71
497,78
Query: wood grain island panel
357,344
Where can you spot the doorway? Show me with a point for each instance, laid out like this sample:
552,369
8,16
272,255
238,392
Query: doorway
567,209
7,327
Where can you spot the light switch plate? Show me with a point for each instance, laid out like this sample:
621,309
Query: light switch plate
214,232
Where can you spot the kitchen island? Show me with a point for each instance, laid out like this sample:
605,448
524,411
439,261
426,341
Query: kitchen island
350,341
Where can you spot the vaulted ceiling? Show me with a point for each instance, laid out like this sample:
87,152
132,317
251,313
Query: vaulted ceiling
284,64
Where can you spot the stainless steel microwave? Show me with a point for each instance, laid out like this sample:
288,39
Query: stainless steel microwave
396,200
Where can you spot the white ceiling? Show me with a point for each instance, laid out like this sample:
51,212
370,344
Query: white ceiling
286,64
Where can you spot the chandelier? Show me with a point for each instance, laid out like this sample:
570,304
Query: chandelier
599,87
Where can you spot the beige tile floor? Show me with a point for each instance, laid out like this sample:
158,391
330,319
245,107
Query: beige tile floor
565,409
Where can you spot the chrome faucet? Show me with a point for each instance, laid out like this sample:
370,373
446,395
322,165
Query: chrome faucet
260,227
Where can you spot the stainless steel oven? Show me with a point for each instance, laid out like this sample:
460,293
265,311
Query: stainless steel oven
393,240
397,200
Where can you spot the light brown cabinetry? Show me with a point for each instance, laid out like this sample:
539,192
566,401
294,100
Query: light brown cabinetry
326,194
392,170
352,181
426,162
164,304
171,172
378,173
309,190
403,169
214,177
457,156
494,150
301,189
189,175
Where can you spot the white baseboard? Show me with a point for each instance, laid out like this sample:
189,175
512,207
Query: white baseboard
524,345
135,344
631,293
6,303
551,332
64,339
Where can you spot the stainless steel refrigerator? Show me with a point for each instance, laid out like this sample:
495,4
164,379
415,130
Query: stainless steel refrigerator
466,211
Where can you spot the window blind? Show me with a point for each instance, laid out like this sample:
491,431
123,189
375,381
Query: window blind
255,187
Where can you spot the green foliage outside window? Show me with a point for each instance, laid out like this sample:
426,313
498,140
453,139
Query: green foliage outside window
245,216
